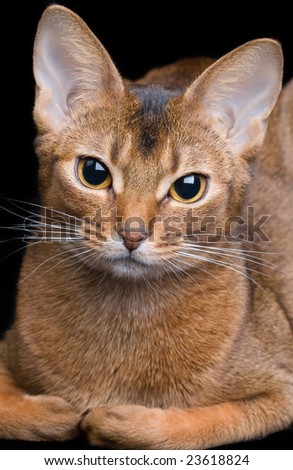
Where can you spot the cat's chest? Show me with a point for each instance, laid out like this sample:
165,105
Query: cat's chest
100,354
142,362
106,344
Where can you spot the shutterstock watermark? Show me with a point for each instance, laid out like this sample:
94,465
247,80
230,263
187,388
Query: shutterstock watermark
54,226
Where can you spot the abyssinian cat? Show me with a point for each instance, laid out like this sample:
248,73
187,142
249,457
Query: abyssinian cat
150,310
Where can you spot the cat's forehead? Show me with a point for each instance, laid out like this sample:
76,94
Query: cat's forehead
153,99
156,133
149,123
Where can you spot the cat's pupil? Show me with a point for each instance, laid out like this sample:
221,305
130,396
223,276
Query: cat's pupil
188,186
94,172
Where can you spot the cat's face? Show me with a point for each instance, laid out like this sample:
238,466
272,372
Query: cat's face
139,170
151,174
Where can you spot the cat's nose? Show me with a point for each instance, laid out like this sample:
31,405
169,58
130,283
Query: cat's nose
132,239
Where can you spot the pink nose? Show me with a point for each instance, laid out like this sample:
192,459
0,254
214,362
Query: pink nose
132,239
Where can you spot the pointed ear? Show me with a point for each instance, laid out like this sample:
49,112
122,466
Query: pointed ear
70,64
238,92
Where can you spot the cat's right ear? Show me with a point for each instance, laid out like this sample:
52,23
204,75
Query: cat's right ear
70,64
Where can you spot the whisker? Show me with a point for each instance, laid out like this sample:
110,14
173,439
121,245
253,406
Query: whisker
69,258
219,262
212,238
201,269
39,223
15,213
13,239
226,265
186,273
84,261
17,251
40,206
232,249
13,227
174,268
243,256
46,261
193,277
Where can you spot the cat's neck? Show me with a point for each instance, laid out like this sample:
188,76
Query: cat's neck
130,296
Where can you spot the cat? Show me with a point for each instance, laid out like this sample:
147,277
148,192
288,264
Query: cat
150,311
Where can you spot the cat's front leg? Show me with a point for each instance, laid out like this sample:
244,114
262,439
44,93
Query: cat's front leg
35,418
138,427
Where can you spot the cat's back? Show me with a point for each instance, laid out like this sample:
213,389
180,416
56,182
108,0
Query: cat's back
284,128
275,159
271,193
177,75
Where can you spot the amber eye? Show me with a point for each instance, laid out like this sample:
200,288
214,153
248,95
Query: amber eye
189,188
93,173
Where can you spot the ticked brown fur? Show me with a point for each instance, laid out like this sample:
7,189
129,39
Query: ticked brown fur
168,351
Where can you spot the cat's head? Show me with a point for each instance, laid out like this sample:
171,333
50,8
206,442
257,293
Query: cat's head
143,166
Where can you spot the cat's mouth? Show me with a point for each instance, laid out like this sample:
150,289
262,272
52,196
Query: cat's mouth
130,266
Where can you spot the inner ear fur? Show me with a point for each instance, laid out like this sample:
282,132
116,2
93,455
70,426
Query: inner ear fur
70,64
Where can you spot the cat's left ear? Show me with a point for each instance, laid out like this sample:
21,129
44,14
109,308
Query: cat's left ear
70,64
236,94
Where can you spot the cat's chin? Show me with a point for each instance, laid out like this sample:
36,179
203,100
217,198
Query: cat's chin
132,269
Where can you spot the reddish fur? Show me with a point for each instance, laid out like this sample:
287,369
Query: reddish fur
180,361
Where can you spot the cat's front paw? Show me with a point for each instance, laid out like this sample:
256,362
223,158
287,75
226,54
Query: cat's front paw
124,427
60,419
39,418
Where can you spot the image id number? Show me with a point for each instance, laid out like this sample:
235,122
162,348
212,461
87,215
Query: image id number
217,460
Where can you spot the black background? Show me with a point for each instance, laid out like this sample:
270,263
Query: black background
138,35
